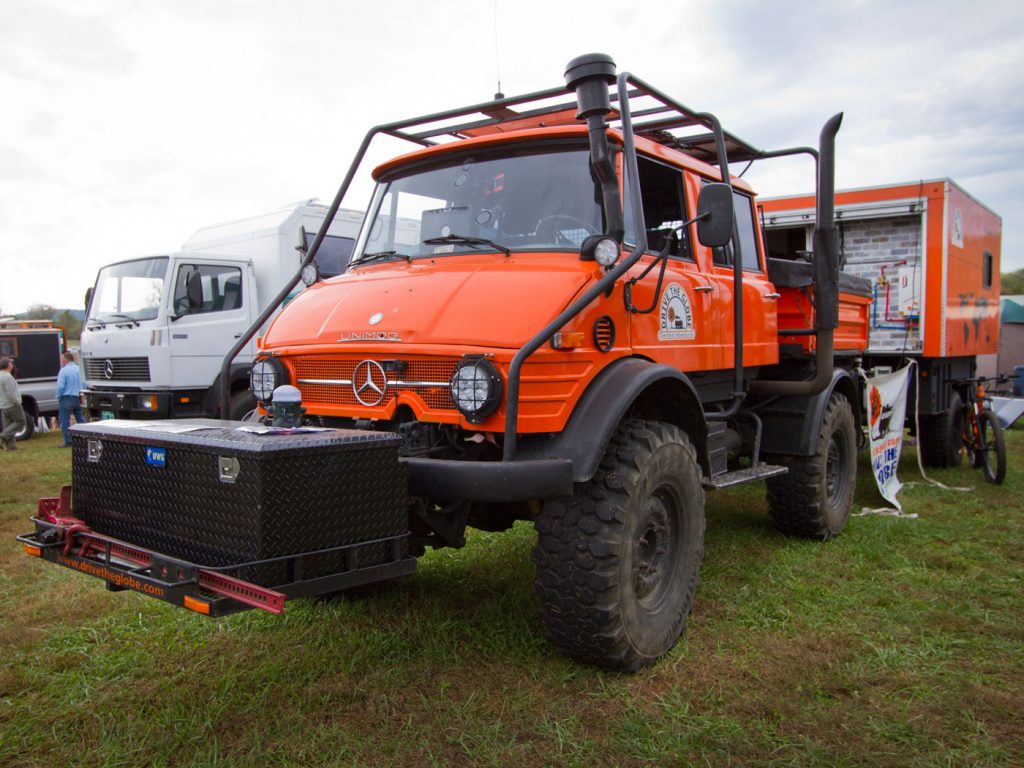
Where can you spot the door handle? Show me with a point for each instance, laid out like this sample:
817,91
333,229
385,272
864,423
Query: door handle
703,288
772,295
238,335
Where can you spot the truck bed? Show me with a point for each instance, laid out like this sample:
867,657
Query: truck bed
794,280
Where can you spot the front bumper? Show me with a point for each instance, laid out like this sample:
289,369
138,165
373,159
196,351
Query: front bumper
496,481
127,405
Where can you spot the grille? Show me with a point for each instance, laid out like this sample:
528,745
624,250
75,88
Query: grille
120,368
329,380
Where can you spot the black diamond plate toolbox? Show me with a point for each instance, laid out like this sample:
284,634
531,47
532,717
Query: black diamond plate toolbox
218,496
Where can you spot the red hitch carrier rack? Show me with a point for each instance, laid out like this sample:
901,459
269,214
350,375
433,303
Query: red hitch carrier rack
65,540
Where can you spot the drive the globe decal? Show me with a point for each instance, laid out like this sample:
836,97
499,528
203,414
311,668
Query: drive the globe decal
676,315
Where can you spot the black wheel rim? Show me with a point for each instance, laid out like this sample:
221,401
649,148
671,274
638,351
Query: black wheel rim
656,550
835,475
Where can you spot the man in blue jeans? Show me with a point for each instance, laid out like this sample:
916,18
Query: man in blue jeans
69,384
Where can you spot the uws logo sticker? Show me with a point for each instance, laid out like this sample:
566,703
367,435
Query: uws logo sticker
156,457
676,315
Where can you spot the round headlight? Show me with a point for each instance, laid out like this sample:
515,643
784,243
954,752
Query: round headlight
476,388
310,274
266,375
606,252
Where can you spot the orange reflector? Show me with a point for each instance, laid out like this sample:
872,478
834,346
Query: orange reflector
31,550
199,606
569,340
183,400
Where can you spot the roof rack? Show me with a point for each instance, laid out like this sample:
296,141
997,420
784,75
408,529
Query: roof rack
656,117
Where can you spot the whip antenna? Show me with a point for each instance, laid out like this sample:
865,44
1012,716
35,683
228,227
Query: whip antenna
497,53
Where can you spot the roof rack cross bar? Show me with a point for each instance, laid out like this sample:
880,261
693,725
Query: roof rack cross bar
455,130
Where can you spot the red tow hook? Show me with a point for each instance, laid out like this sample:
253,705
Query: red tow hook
69,538
53,510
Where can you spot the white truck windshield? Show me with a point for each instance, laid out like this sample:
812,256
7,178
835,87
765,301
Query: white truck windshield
129,291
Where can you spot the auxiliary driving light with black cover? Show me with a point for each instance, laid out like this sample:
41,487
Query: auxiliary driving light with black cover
267,375
476,388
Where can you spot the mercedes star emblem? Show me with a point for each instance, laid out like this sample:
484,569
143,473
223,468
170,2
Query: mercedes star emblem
108,369
369,382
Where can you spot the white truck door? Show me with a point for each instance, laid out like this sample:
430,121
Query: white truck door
202,335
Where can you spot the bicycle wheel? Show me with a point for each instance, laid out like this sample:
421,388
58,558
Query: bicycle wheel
992,451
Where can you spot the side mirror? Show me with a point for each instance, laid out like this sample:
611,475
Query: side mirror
88,299
194,289
715,215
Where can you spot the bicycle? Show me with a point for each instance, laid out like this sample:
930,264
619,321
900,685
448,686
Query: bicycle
982,433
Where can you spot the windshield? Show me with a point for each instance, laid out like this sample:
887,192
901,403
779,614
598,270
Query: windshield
546,201
128,291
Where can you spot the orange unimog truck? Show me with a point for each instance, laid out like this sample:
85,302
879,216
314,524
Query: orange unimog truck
931,254
560,312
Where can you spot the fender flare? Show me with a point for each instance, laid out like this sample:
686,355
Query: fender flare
791,425
658,391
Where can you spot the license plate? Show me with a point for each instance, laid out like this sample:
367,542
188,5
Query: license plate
107,415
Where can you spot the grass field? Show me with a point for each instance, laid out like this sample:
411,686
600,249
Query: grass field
900,643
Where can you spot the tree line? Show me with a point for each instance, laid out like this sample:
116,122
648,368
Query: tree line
63,317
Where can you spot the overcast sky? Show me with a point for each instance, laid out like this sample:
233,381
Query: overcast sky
127,125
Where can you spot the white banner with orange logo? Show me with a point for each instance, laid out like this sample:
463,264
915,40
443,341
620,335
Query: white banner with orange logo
885,402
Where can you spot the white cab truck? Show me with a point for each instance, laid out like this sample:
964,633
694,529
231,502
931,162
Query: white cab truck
157,328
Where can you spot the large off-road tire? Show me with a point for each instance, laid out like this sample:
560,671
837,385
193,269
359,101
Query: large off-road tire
941,436
814,498
618,562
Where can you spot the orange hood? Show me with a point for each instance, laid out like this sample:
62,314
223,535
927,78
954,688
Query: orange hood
487,301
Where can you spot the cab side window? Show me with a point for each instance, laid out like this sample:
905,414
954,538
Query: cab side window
664,207
746,230
745,233
222,288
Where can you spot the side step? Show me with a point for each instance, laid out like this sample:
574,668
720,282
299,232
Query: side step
740,476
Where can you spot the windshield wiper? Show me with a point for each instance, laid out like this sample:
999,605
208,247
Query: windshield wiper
382,255
464,240
131,321
113,317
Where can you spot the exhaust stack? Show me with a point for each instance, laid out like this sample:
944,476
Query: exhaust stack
826,274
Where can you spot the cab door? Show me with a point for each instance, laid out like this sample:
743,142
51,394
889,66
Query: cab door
760,299
672,322
201,335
